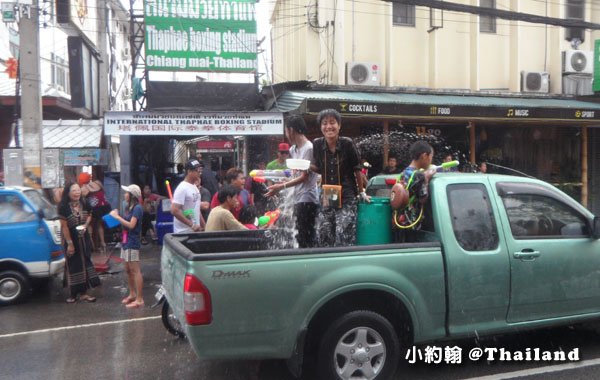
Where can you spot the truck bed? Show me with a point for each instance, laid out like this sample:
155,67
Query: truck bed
262,292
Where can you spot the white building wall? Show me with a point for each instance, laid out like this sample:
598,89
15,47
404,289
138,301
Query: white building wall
456,56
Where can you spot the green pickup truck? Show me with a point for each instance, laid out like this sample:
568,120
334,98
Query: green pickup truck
495,254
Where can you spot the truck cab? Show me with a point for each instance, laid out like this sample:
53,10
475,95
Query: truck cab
30,242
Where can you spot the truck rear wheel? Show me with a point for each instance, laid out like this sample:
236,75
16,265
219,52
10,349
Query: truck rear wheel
14,287
170,321
359,345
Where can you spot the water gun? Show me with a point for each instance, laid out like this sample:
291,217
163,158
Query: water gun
189,213
269,218
169,189
277,175
445,165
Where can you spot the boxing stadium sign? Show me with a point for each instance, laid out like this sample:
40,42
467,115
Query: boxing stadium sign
193,124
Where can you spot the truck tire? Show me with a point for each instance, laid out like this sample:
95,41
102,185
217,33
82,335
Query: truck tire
359,345
14,287
170,321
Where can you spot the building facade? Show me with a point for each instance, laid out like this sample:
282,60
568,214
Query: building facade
489,89
413,46
97,79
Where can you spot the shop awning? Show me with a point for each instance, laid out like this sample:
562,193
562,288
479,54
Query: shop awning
439,107
67,134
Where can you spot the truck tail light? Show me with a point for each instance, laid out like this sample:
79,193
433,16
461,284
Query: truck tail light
56,254
196,302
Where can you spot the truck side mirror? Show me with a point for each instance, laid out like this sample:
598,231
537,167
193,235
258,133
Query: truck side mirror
596,228
41,214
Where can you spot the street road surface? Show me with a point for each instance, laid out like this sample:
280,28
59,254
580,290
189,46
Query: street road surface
46,338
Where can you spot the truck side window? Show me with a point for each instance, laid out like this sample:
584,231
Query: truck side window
472,217
538,216
13,210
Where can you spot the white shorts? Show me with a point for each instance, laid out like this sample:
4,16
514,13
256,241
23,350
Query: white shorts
129,255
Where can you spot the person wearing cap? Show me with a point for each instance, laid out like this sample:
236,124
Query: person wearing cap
131,244
306,202
283,153
185,205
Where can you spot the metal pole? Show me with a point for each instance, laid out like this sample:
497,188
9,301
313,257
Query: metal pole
584,166
472,142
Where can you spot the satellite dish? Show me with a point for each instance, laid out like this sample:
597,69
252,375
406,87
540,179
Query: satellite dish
359,73
578,61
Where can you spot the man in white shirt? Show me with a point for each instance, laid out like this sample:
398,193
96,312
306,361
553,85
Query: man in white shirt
185,206
306,202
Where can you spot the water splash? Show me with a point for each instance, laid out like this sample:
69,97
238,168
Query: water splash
371,149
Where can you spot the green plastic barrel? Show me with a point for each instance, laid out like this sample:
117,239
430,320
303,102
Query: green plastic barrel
373,222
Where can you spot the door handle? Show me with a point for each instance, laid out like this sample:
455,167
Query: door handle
526,254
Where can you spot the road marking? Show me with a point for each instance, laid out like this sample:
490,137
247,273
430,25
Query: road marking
79,326
538,371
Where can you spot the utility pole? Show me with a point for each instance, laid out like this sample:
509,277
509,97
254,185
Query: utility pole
31,97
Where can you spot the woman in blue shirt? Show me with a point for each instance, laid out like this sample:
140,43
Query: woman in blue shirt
131,243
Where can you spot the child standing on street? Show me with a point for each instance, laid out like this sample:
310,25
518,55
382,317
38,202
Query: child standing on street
131,244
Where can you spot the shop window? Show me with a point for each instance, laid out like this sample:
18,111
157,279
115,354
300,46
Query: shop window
487,24
403,14
59,73
472,217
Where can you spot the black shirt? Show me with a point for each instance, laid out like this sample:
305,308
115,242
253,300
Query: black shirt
389,170
346,158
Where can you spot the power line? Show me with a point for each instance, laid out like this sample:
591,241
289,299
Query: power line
499,13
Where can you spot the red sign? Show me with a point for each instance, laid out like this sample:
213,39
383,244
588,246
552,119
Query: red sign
219,144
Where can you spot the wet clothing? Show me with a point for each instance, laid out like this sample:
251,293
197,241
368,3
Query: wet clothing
306,200
337,226
306,215
133,235
80,274
276,165
188,196
221,219
338,168
243,200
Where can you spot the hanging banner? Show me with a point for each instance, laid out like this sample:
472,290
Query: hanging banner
193,124
200,35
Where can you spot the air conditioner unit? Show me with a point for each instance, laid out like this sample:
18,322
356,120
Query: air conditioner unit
363,74
578,62
535,81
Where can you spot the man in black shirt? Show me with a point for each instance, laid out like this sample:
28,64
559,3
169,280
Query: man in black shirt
338,161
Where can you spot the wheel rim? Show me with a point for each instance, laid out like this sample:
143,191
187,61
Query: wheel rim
9,289
359,354
174,321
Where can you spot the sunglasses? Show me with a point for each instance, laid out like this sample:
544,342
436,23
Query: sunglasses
284,152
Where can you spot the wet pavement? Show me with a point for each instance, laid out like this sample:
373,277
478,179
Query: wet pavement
45,338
